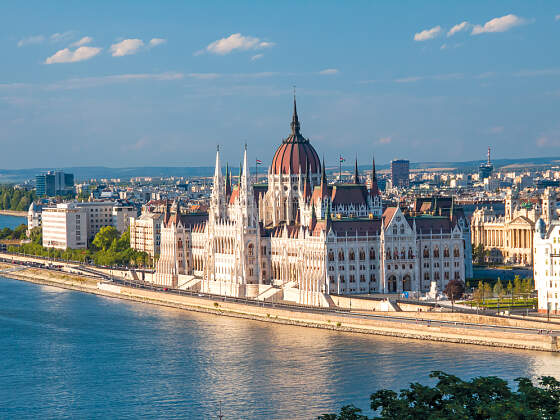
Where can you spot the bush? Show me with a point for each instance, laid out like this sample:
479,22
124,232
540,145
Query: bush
454,289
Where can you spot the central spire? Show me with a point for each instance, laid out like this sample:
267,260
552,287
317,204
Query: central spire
295,120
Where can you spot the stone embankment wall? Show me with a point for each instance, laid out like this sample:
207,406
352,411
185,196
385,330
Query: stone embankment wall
326,320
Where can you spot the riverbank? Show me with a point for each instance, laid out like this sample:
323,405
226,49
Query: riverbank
377,323
13,213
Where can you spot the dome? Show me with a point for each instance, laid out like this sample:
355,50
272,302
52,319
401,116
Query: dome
295,153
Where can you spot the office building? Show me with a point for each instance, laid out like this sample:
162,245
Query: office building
54,183
400,173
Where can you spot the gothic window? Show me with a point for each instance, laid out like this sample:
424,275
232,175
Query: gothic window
372,278
331,256
446,275
395,253
250,271
402,229
362,278
352,278
403,254
436,276
426,276
250,251
342,279
436,251
410,254
372,254
446,252
264,250
388,254
362,255
457,276
395,229
341,255
426,252
456,251
351,255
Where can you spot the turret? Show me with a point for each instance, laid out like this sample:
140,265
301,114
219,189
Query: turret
356,174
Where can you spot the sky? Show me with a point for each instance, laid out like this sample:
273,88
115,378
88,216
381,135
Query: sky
161,83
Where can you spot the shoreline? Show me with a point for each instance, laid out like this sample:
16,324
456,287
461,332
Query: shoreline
15,213
331,320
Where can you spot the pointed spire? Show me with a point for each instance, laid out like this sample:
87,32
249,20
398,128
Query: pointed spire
313,220
295,120
228,181
356,174
324,190
240,173
307,185
218,170
374,191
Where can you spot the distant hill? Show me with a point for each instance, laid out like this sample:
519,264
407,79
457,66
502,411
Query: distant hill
82,173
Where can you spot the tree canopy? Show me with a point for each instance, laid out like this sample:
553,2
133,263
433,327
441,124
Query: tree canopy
480,398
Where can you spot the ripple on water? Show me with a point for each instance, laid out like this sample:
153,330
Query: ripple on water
68,354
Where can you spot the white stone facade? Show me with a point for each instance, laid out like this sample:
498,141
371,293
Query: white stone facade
65,226
546,271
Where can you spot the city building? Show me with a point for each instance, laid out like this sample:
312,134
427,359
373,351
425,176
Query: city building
145,232
34,216
546,271
400,173
509,238
93,216
303,239
486,168
64,226
54,183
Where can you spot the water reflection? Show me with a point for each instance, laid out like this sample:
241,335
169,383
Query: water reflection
80,355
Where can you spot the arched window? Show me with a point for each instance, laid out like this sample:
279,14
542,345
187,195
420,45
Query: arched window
351,255
410,254
396,254
426,276
403,254
372,254
436,275
250,250
362,255
426,252
388,254
341,255
402,229
395,229
456,251
436,251
446,252
331,256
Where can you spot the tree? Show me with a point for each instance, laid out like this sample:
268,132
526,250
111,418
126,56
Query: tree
105,237
454,289
509,288
452,398
487,290
517,287
498,288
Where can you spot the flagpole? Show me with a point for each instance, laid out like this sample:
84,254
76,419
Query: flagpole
339,169
256,171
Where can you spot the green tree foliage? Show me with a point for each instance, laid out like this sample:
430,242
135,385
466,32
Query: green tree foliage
452,398
105,237
509,288
18,233
478,254
498,288
517,285
454,289
110,250
12,198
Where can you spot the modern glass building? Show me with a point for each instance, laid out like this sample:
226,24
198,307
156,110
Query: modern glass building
54,183
400,173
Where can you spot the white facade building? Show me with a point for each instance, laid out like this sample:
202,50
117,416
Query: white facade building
145,233
546,271
65,226
308,239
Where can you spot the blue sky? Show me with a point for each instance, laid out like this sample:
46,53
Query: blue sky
135,83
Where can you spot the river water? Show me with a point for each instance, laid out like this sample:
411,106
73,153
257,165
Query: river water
11,221
72,354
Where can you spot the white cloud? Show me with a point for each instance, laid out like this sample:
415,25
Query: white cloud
35,39
85,40
500,24
68,56
204,76
257,57
409,79
236,42
557,18
89,82
458,28
126,47
154,42
62,37
385,140
427,34
329,72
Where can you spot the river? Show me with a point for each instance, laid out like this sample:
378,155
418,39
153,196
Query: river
11,221
71,354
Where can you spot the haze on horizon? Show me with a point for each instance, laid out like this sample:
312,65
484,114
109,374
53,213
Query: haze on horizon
151,84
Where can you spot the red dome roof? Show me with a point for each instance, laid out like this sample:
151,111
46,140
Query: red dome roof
295,153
